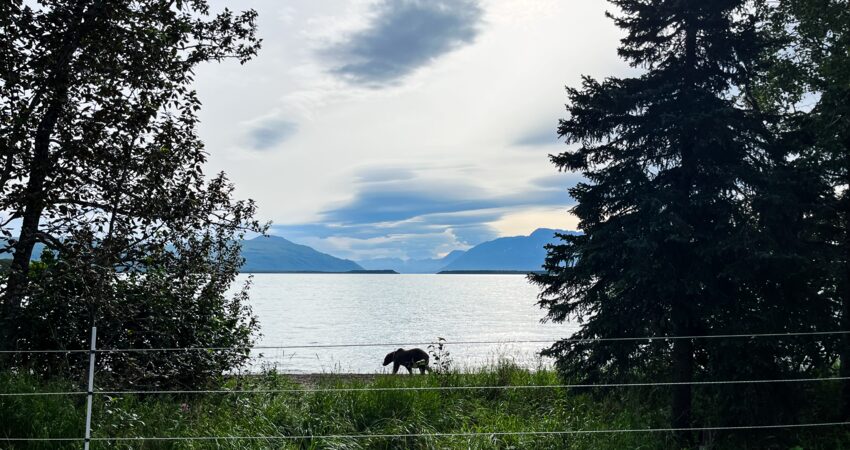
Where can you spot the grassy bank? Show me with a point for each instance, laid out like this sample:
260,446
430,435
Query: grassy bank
372,412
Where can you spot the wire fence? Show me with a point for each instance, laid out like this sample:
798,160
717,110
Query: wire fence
91,392
403,344
424,388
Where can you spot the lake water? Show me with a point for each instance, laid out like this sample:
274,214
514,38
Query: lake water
353,309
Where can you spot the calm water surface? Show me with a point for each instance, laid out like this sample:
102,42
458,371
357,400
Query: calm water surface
319,309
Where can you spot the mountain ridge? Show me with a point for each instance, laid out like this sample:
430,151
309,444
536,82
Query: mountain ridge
278,254
510,254
513,253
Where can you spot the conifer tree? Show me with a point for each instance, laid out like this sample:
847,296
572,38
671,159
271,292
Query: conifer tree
818,91
672,158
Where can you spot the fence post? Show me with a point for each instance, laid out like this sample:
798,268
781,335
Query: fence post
91,387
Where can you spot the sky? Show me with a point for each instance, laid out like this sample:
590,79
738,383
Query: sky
404,128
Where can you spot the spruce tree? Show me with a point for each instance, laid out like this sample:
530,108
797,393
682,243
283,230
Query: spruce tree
672,158
818,57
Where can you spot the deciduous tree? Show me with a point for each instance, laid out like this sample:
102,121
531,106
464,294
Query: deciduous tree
101,161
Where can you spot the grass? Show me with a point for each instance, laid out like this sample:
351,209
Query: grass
369,412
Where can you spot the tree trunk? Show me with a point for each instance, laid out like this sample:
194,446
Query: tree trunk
33,202
56,86
844,354
683,372
682,366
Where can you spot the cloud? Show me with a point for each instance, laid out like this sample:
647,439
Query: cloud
420,225
404,213
384,174
403,36
391,195
269,133
416,246
543,136
404,200
472,233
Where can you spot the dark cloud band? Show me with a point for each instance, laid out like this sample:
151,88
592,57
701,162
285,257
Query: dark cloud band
403,36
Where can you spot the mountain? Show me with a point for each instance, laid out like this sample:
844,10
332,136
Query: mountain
273,254
276,254
518,253
412,265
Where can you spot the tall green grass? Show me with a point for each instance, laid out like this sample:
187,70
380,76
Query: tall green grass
370,412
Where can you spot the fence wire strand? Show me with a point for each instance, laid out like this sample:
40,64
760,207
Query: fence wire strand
401,344
428,388
471,388
41,394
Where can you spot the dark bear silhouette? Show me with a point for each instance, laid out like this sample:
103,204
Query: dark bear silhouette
409,359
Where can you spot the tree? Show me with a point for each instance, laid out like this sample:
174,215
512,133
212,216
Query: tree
817,53
101,161
673,160
179,300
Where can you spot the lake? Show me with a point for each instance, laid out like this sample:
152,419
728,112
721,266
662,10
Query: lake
355,309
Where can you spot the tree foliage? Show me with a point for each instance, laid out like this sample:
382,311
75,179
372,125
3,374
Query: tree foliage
817,103
101,163
691,225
